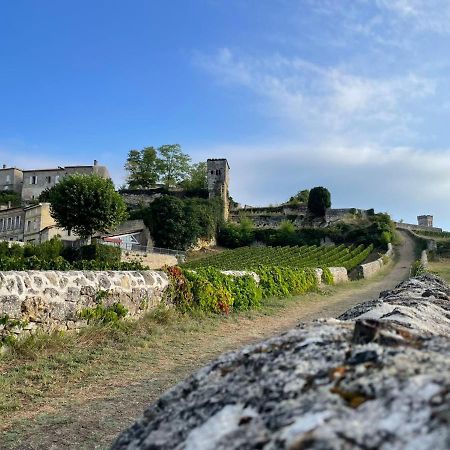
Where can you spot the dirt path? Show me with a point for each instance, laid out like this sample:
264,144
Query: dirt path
91,416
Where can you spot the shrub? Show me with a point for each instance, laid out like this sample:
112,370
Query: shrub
104,314
319,200
101,253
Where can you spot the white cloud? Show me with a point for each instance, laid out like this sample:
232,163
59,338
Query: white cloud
403,181
326,97
423,15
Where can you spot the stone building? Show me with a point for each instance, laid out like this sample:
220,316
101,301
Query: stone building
219,181
37,180
32,221
30,224
425,221
11,179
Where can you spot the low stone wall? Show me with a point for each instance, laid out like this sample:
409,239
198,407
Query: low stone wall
411,226
340,274
368,270
52,300
424,258
380,379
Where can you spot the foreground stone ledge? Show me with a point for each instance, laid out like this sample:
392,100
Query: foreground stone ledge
379,380
52,300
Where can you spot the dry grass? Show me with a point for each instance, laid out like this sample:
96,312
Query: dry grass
441,268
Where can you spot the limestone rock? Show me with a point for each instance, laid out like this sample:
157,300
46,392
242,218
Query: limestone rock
380,380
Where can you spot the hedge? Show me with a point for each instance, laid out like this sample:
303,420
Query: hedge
210,290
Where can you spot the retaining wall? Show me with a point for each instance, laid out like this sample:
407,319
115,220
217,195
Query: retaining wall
368,270
52,300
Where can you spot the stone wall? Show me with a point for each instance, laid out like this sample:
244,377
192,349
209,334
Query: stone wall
370,269
379,379
412,226
52,300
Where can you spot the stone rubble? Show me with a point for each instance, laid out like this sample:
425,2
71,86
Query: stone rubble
378,379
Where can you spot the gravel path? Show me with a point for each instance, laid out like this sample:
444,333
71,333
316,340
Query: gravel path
91,417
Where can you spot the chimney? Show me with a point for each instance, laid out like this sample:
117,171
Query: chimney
4,166
95,162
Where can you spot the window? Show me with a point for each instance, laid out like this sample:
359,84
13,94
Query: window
48,179
29,225
212,172
33,179
8,179
9,227
56,178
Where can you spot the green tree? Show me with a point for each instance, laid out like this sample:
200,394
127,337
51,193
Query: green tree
178,224
142,167
196,183
173,164
86,204
9,196
319,200
299,198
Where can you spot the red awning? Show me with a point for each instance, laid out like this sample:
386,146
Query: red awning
113,240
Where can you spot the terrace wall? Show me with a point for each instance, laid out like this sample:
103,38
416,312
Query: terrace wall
52,300
368,270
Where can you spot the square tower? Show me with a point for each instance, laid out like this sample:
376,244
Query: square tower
219,180
425,221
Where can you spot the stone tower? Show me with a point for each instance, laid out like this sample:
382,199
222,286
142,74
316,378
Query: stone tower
218,181
425,221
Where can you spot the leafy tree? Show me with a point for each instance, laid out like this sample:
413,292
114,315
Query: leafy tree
86,204
319,200
9,196
300,197
173,164
177,223
196,184
142,167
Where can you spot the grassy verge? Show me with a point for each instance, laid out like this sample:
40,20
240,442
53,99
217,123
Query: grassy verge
441,268
44,365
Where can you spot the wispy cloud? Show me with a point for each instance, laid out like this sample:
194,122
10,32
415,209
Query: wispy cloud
423,15
403,181
331,98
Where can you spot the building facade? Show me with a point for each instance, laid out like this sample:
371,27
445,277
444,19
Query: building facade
32,222
38,180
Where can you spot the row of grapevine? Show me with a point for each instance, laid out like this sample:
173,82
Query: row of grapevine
246,258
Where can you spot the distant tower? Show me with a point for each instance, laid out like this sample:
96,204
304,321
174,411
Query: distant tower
425,221
218,181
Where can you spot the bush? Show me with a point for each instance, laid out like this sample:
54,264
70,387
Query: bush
46,251
179,223
101,253
319,200
237,235
211,291
59,263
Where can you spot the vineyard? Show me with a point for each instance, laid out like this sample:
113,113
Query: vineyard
246,258
434,234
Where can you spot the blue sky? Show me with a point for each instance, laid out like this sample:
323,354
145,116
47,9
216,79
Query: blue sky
350,94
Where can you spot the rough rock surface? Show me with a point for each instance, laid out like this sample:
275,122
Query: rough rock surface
380,380
51,300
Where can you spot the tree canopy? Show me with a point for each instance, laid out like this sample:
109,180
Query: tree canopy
166,164
319,200
86,204
142,168
299,198
178,223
